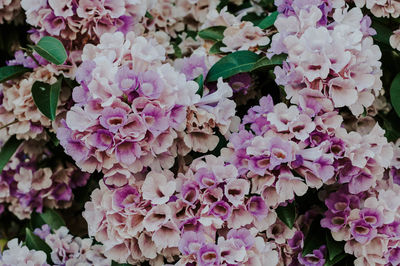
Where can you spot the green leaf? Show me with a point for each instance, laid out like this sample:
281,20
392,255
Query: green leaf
265,62
253,18
200,81
8,150
216,48
234,63
49,216
395,94
215,33
3,243
287,214
315,237
71,82
334,247
53,137
45,97
32,241
148,15
336,260
177,51
51,49
10,72
383,33
268,21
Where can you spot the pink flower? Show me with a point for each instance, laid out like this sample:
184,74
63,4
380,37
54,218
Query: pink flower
157,188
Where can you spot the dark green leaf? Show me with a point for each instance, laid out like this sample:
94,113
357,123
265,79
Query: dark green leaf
216,48
253,18
268,21
383,33
336,260
32,241
148,15
45,97
51,49
334,247
265,62
287,214
10,72
200,81
395,94
71,83
234,63
53,137
177,51
8,150
50,217
215,33
315,237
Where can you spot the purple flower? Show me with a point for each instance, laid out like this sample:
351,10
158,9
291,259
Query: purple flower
280,152
240,82
155,119
339,202
208,255
126,196
314,259
127,79
190,192
194,66
362,231
62,192
113,118
205,178
391,230
53,24
256,206
242,237
84,72
396,175
125,23
334,221
127,151
102,139
221,209
43,231
151,85
394,256
361,182
191,242
297,241
372,217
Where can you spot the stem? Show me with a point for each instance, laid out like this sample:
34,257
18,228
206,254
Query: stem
29,52
9,124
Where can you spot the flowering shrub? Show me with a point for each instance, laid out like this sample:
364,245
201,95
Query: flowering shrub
200,132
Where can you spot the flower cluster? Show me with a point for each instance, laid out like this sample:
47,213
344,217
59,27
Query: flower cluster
162,216
369,222
27,186
69,250
331,55
276,141
133,111
201,161
65,250
243,36
16,254
80,21
18,113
